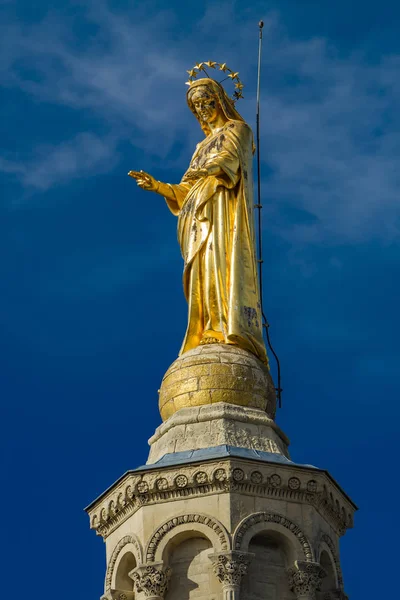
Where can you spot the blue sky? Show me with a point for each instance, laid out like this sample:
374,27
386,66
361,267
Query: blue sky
91,307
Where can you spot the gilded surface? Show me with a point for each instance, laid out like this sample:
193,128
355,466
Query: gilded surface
214,206
217,373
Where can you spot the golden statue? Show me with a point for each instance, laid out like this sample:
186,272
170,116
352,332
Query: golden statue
214,206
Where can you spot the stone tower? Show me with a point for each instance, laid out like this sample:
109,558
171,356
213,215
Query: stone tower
220,511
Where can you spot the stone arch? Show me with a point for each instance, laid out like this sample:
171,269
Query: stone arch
326,544
198,523
297,544
129,543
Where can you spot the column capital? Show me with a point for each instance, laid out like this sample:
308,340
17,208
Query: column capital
152,579
118,595
305,579
230,567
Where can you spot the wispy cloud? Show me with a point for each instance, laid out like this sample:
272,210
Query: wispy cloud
330,123
58,163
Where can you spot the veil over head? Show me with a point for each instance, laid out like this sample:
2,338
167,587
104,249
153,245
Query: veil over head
216,89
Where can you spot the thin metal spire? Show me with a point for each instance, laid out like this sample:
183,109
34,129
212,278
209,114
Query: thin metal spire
260,261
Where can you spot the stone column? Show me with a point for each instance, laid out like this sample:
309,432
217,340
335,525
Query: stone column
305,579
118,595
152,579
229,568
335,595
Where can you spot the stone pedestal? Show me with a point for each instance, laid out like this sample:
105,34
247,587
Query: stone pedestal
220,512
216,425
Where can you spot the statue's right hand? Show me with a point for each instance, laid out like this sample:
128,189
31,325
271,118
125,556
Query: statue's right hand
144,180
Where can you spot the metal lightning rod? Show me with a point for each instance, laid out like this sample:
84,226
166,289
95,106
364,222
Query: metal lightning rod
260,261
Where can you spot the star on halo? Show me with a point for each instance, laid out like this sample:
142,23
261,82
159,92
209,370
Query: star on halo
223,67
232,75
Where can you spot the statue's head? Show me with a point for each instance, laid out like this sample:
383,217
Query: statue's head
204,104
207,99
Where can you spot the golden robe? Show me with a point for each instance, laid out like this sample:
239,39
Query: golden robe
217,240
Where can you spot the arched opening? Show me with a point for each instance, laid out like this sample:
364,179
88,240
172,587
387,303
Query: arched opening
192,577
123,583
267,577
329,583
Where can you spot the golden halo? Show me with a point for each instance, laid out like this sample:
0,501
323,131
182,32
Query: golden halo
222,67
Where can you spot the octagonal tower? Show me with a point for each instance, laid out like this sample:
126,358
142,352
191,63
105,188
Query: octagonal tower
220,511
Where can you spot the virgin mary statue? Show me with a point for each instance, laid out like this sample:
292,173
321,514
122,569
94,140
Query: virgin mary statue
214,206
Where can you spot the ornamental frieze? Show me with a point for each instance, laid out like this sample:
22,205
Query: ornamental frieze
224,476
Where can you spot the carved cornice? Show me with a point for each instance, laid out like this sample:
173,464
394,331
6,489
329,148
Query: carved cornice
230,475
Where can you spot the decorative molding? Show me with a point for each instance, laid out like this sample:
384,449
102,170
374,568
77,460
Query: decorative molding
230,567
216,478
294,483
152,579
256,477
264,517
325,538
128,539
162,531
305,579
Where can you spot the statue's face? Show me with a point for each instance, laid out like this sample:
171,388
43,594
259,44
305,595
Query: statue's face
205,104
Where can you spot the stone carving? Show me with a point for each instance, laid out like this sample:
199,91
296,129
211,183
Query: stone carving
184,520
305,579
312,486
151,579
220,475
238,474
216,424
128,539
256,477
275,480
181,481
162,484
143,487
201,477
294,483
230,567
121,500
279,520
328,541
116,507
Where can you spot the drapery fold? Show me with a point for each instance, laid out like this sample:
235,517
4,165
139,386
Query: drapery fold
217,241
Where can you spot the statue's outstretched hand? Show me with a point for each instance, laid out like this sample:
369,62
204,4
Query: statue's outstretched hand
144,180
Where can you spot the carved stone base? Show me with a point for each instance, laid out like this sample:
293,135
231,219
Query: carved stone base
216,425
